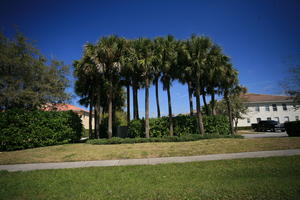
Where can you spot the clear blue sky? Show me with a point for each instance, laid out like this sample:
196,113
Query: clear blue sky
260,36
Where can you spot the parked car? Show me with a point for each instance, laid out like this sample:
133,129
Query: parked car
268,125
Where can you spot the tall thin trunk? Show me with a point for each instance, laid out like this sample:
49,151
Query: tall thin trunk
170,112
134,102
235,125
114,128
91,118
213,103
199,115
190,97
137,103
96,121
157,98
147,128
205,103
97,107
128,104
100,114
109,129
231,128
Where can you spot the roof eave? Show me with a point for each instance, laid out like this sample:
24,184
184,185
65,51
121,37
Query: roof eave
287,101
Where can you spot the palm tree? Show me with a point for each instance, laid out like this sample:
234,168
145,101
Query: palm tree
184,74
212,72
167,59
229,83
145,56
128,59
86,85
157,72
107,56
198,49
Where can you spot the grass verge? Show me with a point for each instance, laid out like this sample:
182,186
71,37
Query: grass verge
81,152
258,178
184,138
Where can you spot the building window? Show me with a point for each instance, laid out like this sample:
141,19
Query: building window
286,119
258,119
248,120
268,118
284,107
276,119
297,118
257,108
274,107
267,107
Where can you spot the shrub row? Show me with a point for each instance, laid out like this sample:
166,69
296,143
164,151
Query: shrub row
292,128
185,138
21,129
183,125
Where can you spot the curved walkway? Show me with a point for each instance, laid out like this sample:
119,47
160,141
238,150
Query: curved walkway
148,161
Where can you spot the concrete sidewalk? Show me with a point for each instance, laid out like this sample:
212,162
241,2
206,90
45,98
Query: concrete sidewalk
148,161
266,135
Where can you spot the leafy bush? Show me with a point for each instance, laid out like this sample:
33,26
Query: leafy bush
120,120
185,138
22,129
292,128
136,128
183,125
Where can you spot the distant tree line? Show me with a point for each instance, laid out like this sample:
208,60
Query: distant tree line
115,62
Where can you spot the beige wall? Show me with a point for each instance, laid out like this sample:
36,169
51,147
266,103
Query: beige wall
85,120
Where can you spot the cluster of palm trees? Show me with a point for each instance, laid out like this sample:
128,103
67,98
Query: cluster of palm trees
115,62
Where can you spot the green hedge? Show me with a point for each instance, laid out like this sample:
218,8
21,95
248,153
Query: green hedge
292,128
184,138
183,125
21,129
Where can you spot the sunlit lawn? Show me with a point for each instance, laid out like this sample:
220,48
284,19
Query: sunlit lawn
78,152
259,178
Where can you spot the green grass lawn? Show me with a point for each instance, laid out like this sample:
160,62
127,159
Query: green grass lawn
259,178
79,152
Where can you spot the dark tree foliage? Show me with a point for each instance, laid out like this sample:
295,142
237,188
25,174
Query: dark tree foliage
292,85
27,80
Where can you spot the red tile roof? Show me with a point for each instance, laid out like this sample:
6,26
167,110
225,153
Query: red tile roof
250,97
64,107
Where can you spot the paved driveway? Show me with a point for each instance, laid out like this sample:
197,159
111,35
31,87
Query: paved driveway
266,135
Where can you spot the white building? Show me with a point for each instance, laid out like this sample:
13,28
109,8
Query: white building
268,107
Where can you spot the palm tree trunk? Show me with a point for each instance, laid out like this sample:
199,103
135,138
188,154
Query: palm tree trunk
114,128
170,111
199,115
235,125
147,128
109,129
190,97
135,102
157,98
91,118
213,109
231,128
128,104
100,119
97,107
96,121
205,103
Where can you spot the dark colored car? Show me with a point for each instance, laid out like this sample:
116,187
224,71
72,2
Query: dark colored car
269,125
